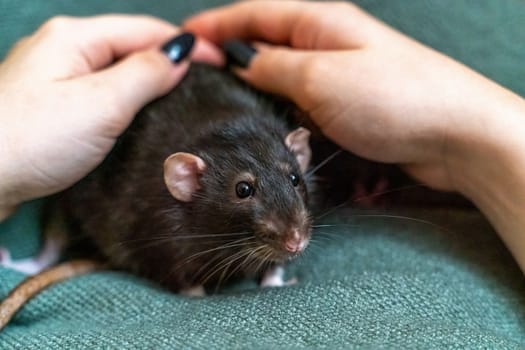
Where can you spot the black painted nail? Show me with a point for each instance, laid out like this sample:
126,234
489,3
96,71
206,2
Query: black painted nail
238,53
179,47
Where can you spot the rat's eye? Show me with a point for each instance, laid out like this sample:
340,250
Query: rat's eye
244,189
295,179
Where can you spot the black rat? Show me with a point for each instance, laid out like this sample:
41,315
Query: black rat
207,184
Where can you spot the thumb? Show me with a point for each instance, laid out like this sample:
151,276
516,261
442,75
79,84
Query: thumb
134,81
279,70
125,87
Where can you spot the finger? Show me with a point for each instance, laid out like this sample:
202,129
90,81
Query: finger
126,87
206,52
68,46
300,24
284,71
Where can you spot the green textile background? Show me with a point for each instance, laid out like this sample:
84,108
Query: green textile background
367,282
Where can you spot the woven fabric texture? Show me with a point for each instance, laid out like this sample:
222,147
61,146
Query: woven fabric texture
442,279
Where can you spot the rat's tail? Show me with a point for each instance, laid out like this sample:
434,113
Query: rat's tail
35,284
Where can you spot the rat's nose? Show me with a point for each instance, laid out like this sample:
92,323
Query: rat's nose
295,243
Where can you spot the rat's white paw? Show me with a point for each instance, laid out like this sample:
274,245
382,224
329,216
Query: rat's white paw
194,292
275,278
5,257
48,256
26,266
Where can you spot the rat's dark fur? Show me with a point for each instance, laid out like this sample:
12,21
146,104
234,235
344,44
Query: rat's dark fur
126,209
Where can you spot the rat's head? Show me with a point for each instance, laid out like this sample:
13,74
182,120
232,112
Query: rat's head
248,185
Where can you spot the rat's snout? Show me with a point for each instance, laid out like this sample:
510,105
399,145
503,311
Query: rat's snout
285,239
295,242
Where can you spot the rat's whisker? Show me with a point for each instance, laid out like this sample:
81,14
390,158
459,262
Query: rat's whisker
145,239
162,239
382,193
212,235
333,225
244,262
223,276
256,256
331,210
267,261
207,273
354,199
323,239
239,265
152,242
224,265
237,243
264,260
323,163
204,266
401,217
223,247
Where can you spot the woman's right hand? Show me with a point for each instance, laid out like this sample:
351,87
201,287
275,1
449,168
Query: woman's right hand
70,89
369,88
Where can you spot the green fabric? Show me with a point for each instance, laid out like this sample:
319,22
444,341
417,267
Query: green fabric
22,226
443,280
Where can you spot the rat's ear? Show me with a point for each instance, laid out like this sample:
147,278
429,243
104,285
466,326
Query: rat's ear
297,142
181,174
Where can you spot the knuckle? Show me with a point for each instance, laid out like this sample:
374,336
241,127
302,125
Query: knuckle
311,71
21,43
151,59
345,6
57,24
148,18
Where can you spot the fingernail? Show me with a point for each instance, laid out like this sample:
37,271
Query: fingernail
238,53
179,47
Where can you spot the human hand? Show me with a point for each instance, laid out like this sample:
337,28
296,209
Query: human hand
70,89
388,98
371,89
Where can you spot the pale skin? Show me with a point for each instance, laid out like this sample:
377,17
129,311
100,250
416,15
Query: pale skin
70,89
388,98
371,89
